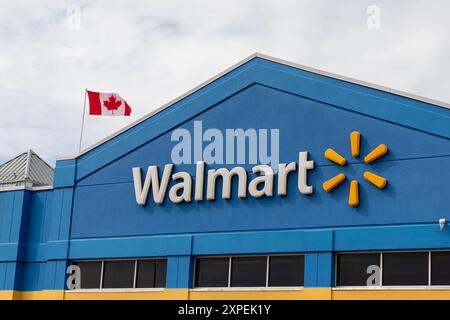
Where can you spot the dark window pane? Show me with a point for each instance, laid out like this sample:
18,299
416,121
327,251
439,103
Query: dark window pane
145,274
248,272
160,273
286,271
352,268
118,274
212,272
440,268
90,274
405,269
151,273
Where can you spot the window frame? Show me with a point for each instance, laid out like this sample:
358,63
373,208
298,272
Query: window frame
356,252
136,269
194,278
75,262
101,289
428,286
102,275
283,255
230,275
437,286
230,260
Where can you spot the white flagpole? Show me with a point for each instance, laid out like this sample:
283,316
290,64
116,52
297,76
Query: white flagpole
82,120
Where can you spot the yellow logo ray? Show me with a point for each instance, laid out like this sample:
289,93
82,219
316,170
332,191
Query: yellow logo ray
376,153
374,179
355,142
353,195
332,155
333,182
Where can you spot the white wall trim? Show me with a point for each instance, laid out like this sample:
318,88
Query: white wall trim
116,290
25,187
390,288
222,289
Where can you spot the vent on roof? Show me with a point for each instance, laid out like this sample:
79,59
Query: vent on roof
26,169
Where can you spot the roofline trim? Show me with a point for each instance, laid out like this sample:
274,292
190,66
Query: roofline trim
235,66
356,81
26,187
43,161
27,167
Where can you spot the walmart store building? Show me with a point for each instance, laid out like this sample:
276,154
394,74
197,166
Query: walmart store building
363,182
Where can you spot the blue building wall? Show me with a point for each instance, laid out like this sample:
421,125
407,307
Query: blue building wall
32,253
416,193
92,213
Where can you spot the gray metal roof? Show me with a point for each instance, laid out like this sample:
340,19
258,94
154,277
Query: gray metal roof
26,169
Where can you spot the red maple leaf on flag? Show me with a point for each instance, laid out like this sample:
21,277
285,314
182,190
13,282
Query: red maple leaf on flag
112,103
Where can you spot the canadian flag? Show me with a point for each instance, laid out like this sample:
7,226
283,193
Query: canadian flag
107,104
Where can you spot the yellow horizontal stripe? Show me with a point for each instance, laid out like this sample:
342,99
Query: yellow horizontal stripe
41,295
173,294
32,295
6,295
168,294
304,294
186,294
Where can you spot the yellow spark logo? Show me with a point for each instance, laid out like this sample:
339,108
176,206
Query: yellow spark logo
377,181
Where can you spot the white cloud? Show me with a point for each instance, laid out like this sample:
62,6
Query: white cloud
152,51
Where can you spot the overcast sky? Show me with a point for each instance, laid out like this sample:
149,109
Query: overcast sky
152,51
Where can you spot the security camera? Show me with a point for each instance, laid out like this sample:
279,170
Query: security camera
442,223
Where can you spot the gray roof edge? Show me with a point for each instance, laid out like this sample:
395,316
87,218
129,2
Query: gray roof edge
269,58
42,160
23,171
28,164
10,160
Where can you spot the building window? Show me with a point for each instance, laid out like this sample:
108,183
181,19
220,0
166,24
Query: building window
118,274
405,268
352,268
151,273
440,268
418,268
286,271
212,272
250,271
123,274
91,274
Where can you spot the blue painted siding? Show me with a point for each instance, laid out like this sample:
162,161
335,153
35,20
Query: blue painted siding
26,254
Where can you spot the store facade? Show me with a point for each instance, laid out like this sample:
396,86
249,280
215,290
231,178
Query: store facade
270,181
